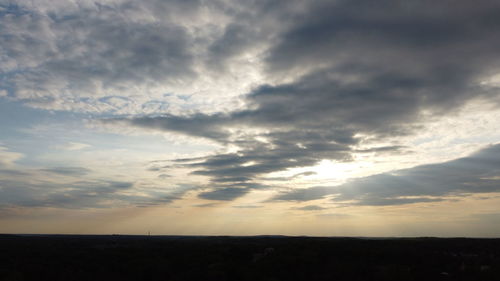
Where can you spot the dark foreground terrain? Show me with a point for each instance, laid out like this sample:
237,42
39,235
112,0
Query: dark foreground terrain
62,257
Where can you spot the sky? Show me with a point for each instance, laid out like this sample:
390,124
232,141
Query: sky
249,117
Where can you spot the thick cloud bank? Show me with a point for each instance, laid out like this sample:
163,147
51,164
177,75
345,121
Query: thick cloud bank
478,173
341,72
330,76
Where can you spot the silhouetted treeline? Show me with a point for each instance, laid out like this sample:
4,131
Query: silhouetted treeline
60,257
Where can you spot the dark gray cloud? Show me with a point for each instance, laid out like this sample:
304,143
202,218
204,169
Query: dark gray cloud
78,194
206,205
224,194
70,171
235,39
305,194
13,172
478,173
352,68
366,34
32,192
280,151
199,125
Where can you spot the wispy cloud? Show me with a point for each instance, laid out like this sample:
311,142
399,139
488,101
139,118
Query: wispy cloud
310,208
72,146
7,158
71,171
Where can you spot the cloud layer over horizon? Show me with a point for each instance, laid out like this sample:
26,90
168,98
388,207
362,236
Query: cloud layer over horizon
273,102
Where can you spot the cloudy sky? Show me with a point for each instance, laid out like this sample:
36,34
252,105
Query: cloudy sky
334,118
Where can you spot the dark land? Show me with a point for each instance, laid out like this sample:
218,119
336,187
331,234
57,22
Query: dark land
192,258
